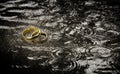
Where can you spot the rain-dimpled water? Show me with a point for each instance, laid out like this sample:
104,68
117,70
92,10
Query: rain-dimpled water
83,36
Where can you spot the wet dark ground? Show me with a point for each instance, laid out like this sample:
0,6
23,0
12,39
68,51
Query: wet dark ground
83,37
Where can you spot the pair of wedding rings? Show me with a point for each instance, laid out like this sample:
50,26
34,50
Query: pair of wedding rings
34,35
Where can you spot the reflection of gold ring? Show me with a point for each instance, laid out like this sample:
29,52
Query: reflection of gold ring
33,34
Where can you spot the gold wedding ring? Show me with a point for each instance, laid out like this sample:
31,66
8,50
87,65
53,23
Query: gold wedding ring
30,33
33,35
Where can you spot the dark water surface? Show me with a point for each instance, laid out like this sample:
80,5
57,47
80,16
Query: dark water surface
83,37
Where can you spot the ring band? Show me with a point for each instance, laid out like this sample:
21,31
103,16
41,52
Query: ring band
33,34
45,36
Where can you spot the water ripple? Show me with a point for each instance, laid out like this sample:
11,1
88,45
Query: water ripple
82,35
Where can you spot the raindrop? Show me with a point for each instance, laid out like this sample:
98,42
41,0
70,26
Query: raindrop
86,31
